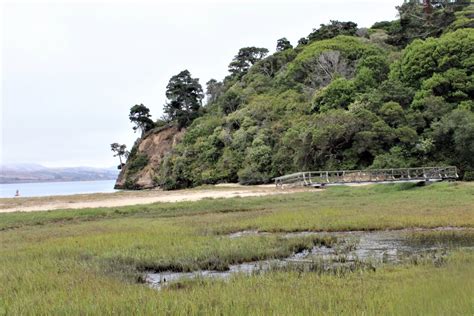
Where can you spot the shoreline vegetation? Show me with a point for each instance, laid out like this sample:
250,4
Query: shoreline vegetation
93,261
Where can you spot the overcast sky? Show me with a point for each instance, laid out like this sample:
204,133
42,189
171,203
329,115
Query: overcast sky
72,70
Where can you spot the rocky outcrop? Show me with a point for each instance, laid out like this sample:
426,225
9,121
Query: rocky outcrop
141,169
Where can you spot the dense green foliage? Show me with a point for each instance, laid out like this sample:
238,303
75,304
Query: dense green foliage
283,44
246,58
418,22
397,95
185,96
332,30
140,116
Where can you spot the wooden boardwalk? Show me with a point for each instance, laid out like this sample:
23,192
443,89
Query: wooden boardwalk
346,177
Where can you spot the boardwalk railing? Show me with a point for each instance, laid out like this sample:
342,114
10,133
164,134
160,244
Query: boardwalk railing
321,178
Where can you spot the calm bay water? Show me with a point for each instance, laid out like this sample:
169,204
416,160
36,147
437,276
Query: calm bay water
56,188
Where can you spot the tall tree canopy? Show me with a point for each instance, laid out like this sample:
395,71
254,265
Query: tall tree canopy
421,21
213,90
245,58
283,44
185,98
140,116
120,151
333,29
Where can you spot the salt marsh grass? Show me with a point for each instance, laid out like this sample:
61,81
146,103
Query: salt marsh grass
92,261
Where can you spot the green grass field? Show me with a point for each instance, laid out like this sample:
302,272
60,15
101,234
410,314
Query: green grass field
90,261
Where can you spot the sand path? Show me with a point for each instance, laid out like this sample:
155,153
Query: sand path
131,198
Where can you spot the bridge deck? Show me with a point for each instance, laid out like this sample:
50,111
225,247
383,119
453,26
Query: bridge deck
322,178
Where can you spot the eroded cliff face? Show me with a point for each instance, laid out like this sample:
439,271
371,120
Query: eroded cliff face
142,167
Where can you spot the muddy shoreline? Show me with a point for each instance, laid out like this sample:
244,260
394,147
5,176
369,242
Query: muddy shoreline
367,249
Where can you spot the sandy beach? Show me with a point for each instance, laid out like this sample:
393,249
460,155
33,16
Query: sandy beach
124,198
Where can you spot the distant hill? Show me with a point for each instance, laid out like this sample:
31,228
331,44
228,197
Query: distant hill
22,173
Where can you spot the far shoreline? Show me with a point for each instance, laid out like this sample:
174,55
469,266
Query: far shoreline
56,188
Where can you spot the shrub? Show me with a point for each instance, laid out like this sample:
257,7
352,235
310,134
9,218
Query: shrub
130,184
138,163
468,175
250,176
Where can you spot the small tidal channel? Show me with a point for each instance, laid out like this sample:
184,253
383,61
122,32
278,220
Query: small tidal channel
352,248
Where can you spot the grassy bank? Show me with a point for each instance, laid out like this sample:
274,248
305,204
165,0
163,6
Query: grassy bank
406,290
337,208
89,261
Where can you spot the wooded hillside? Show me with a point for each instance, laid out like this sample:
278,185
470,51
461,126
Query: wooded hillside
399,94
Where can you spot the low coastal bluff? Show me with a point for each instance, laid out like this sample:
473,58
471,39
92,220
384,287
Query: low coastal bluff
146,156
